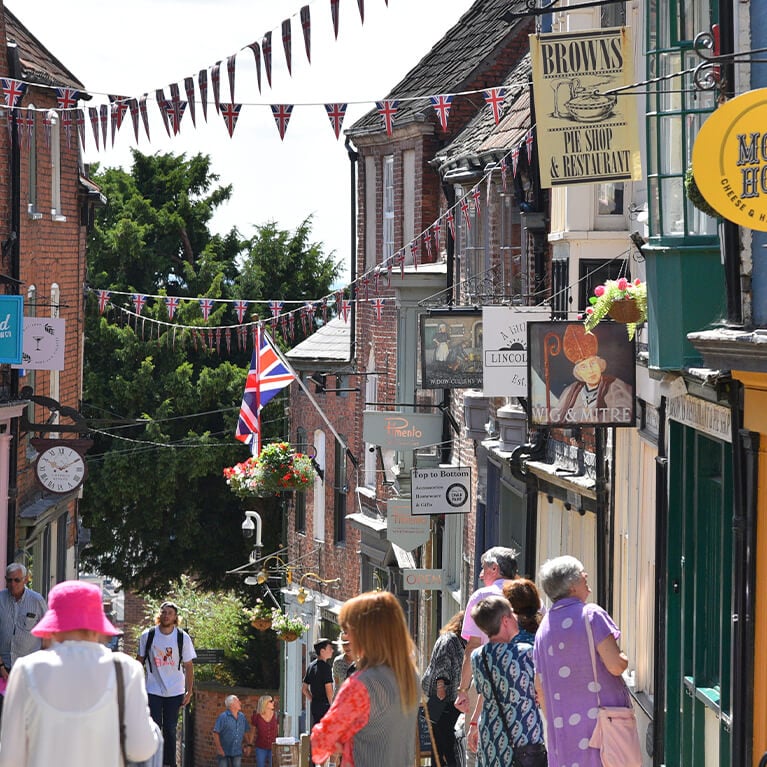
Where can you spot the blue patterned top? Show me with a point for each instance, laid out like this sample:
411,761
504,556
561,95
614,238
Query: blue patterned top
511,667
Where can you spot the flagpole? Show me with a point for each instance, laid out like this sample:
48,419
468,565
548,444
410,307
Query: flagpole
314,402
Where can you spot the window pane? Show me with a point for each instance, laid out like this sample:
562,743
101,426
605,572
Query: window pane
672,193
610,199
388,207
672,154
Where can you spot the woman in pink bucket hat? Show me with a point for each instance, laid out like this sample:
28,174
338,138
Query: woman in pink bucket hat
61,705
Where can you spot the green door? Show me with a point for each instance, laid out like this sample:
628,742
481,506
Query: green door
698,622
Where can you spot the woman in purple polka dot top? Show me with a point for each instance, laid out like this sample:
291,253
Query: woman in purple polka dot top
564,679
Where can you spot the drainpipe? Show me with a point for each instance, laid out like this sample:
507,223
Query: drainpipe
11,253
447,437
353,159
604,589
661,585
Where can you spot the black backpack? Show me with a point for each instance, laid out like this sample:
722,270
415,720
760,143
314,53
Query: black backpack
150,638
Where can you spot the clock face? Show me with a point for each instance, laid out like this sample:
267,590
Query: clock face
60,469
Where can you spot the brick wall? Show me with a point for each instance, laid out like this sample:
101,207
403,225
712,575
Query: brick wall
208,704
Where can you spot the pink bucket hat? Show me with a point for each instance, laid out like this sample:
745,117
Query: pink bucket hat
74,605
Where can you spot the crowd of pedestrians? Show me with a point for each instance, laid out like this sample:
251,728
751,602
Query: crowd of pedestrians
507,683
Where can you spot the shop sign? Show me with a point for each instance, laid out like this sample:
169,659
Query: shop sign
422,580
707,417
504,342
579,378
402,528
395,430
585,134
729,160
43,344
441,490
11,329
451,350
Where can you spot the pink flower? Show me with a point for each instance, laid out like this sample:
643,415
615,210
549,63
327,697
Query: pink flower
623,283
599,291
589,310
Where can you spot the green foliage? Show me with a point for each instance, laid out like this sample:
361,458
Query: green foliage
214,620
156,502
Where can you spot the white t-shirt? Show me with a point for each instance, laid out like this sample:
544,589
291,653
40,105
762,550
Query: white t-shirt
469,629
166,678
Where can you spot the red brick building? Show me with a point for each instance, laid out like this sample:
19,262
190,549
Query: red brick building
46,205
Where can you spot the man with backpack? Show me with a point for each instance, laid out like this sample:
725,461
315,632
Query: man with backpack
167,653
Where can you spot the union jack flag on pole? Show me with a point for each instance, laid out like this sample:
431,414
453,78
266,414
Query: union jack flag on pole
266,377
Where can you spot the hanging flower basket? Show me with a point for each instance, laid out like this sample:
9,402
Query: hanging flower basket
288,627
261,624
277,469
621,300
260,616
694,195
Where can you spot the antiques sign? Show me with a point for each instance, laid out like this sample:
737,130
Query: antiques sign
586,135
441,490
451,350
504,369
394,430
402,528
579,378
729,160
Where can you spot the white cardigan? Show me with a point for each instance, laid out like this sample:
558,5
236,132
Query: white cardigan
60,709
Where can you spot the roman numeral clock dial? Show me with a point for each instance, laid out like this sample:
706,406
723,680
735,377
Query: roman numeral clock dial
60,468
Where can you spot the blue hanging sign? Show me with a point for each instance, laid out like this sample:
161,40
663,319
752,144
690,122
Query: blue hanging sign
11,319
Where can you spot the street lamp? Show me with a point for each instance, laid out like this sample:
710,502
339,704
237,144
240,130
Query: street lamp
302,596
263,574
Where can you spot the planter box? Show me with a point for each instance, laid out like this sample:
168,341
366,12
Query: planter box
685,293
286,756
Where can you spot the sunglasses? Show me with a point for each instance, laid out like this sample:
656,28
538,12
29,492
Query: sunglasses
14,580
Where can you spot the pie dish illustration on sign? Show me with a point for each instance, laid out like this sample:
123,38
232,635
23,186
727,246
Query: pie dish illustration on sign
60,469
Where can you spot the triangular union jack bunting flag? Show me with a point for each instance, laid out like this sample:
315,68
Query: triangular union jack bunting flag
144,115
387,110
441,106
230,113
103,300
133,108
93,113
334,16
514,161
494,97
256,48
529,141
336,114
215,82
80,120
202,84
361,4
240,307
282,114
138,302
104,115
13,90
266,49
189,88
230,69
206,306
66,98
504,168
306,26
287,44
171,302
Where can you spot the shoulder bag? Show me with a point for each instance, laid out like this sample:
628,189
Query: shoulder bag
156,759
615,734
529,755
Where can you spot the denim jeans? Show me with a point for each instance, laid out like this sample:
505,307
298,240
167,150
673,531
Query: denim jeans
263,757
165,712
229,761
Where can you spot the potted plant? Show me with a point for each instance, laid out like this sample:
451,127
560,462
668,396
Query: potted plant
694,195
288,627
620,299
260,616
278,468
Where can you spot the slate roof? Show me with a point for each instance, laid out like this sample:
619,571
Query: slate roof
482,141
38,64
331,343
450,64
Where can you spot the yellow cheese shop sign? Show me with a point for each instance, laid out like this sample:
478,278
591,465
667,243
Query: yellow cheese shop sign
729,160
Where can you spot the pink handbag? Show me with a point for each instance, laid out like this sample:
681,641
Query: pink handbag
615,734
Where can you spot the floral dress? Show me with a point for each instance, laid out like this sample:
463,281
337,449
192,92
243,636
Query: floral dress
519,722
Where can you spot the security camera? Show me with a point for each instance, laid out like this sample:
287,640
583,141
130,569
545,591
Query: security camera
252,526
372,448
248,528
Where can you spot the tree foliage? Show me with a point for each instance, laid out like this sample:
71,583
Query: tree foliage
156,502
